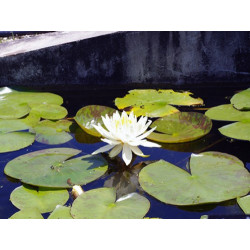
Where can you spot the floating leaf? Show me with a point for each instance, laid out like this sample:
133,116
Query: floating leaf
237,130
101,203
244,203
18,124
83,137
181,127
27,213
227,112
49,132
153,103
241,100
48,168
15,141
90,113
13,110
61,212
214,177
44,199
50,111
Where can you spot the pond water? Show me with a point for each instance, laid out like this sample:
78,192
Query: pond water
126,181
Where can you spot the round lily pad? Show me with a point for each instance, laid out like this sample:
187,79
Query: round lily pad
61,212
13,110
44,199
155,103
237,130
49,168
92,114
27,213
241,100
15,140
50,111
49,132
214,177
101,203
181,127
227,112
244,203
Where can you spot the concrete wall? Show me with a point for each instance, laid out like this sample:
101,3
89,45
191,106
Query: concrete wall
145,58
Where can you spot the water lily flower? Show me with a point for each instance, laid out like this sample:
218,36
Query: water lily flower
124,133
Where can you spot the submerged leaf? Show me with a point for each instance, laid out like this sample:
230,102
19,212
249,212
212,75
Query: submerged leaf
61,212
44,199
92,113
180,127
214,177
49,168
101,203
27,213
241,100
244,203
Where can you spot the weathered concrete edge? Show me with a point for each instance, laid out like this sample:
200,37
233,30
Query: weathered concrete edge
47,40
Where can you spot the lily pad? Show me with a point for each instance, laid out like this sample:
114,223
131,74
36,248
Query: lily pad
244,203
44,199
27,213
227,112
180,127
241,100
214,177
48,168
15,141
92,113
237,130
153,103
61,212
101,203
52,133
9,110
50,111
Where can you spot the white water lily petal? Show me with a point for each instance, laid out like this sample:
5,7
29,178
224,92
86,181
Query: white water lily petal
126,154
145,134
149,144
111,142
115,151
137,151
103,149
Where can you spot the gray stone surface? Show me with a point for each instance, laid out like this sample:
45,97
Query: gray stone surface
142,58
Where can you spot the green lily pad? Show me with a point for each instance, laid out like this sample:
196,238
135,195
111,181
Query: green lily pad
244,203
101,203
15,140
50,111
18,124
90,113
83,137
61,212
44,199
153,103
227,112
27,213
181,127
49,168
237,130
13,110
241,100
52,133
214,177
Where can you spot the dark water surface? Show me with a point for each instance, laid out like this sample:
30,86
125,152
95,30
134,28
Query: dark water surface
126,180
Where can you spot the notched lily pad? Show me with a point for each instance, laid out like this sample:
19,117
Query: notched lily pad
13,110
27,213
49,168
44,199
241,100
153,103
61,212
181,127
244,203
15,140
237,130
214,177
101,203
92,113
52,133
